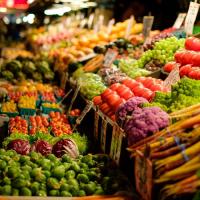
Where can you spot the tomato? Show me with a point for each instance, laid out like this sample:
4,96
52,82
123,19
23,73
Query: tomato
129,83
127,94
184,70
140,79
105,108
112,99
106,93
192,43
118,103
57,115
187,57
195,59
114,86
169,66
77,111
192,74
97,100
136,85
121,89
72,113
147,94
113,118
156,87
137,90
178,56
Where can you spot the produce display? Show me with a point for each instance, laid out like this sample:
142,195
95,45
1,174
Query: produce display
9,107
50,176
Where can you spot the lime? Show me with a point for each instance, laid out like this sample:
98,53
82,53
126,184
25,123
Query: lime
65,187
81,193
83,178
35,187
53,183
13,172
65,194
15,192
66,158
6,181
25,192
58,172
3,164
54,193
41,193
6,190
70,174
47,173
19,182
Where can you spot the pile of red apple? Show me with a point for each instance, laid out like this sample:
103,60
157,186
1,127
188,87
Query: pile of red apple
59,124
187,60
38,124
119,93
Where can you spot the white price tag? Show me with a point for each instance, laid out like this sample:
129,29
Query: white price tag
90,20
129,26
109,57
172,78
179,20
191,17
110,25
147,25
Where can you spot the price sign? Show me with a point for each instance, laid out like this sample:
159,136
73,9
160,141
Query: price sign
90,20
147,25
179,20
143,176
103,135
109,57
172,78
116,143
129,27
191,17
84,112
110,25
96,125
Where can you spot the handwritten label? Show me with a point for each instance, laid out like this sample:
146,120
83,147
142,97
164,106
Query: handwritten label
74,98
147,25
116,143
109,57
84,112
103,135
96,125
90,20
143,176
179,20
172,78
129,26
110,25
191,17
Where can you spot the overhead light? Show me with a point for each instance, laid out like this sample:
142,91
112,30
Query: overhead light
57,11
18,21
29,18
73,1
30,1
6,20
91,4
3,10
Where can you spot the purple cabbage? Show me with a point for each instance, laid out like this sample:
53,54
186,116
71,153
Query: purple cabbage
66,146
144,122
127,109
20,146
42,147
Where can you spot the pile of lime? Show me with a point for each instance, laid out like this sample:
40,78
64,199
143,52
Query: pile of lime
36,175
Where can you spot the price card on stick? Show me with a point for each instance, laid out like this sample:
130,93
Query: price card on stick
179,20
191,17
147,25
110,57
172,78
103,134
129,27
143,175
90,20
110,25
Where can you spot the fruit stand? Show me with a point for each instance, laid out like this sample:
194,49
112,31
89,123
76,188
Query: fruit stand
105,114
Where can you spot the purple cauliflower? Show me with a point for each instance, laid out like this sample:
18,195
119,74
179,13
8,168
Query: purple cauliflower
144,122
127,109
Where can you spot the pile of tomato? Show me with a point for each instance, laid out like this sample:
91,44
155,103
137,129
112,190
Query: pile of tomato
59,124
18,125
119,93
38,124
